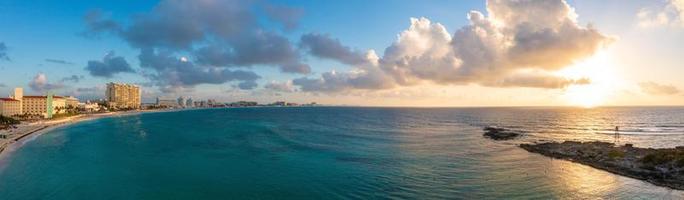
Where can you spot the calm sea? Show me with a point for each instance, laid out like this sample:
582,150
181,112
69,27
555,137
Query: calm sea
333,153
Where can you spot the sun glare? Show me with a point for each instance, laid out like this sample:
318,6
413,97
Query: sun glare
600,70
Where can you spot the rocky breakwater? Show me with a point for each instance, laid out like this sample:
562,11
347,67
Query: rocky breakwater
500,133
663,167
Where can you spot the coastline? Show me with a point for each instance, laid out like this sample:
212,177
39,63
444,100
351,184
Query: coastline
31,130
660,167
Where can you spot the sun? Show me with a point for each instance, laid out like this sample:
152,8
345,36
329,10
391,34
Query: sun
601,71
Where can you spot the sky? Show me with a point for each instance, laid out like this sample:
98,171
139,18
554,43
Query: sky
429,53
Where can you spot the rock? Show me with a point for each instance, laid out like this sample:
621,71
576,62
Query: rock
661,167
500,133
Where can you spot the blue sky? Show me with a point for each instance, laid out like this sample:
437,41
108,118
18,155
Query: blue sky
35,30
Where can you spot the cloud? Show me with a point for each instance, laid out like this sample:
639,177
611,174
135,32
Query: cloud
287,16
98,22
247,85
324,46
218,34
3,52
39,83
3,85
669,14
109,66
174,74
86,93
58,61
88,89
518,44
286,86
260,48
73,78
658,89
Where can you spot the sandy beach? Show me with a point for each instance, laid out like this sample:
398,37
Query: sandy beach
26,130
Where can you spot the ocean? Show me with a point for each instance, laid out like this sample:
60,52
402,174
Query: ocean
334,153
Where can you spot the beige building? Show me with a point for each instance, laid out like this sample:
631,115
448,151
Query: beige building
71,101
10,107
38,105
123,95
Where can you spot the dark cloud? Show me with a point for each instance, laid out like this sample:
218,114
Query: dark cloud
217,34
654,88
3,52
39,83
58,61
261,48
109,66
172,73
73,78
326,47
98,22
247,85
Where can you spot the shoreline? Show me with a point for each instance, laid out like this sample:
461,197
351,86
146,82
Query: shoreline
27,131
661,167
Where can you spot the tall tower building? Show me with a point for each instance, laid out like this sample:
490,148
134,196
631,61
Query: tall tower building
123,95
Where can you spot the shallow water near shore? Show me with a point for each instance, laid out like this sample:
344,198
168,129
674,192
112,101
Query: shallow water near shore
333,152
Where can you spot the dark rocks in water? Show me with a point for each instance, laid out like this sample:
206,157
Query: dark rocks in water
500,133
663,167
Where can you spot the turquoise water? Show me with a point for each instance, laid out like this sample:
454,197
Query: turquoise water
332,153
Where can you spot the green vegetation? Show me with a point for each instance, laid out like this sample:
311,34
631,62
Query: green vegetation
8,120
664,157
62,115
615,153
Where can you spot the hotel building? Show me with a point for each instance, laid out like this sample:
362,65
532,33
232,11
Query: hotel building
71,102
123,95
35,106
10,107
44,106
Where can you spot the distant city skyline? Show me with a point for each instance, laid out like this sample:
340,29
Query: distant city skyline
377,53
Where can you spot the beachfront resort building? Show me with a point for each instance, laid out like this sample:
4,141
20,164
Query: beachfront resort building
43,106
123,95
35,106
10,107
71,102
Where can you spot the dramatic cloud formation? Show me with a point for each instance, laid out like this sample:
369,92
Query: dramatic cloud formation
217,34
280,87
658,89
326,47
110,65
73,78
172,73
58,61
3,51
40,84
669,14
519,44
